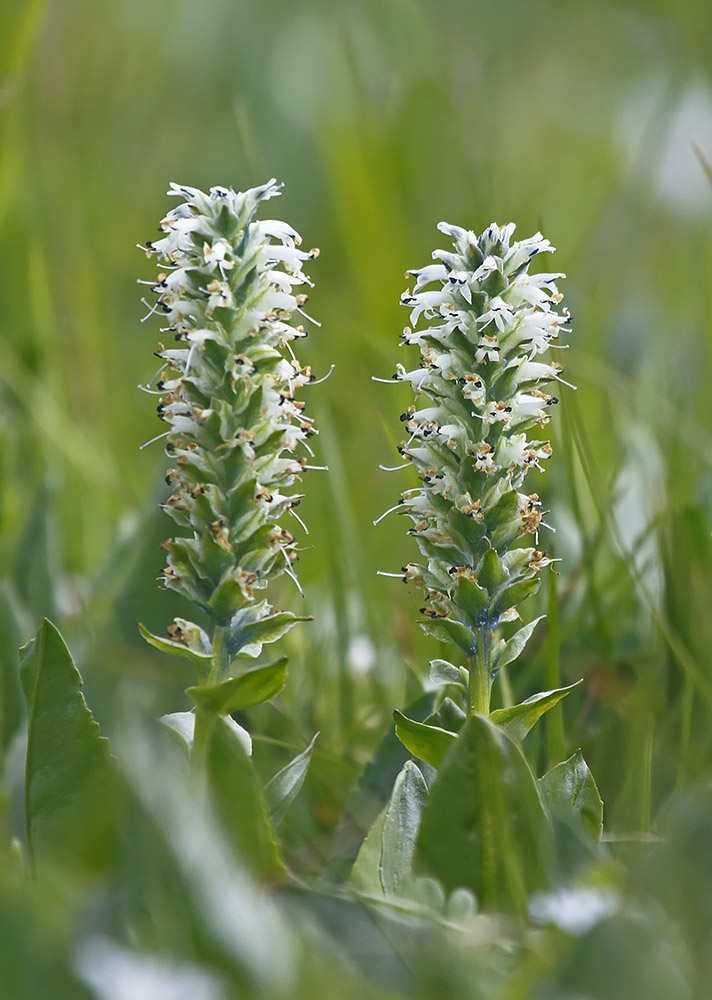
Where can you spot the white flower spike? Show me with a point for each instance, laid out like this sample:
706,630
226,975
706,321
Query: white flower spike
474,435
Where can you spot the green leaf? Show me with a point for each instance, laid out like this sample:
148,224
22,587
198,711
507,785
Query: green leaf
238,796
472,599
400,827
237,693
201,659
514,646
449,716
519,719
492,573
254,626
447,630
284,786
510,597
503,513
442,672
428,743
484,826
366,871
70,787
569,790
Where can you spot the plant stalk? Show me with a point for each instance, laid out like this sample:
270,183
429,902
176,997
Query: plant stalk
480,686
204,718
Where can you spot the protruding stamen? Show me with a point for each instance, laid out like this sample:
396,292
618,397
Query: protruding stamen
390,510
290,572
298,518
157,438
323,379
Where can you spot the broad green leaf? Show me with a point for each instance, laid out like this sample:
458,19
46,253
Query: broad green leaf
374,788
503,513
241,804
428,743
400,827
442,672
514,646
366,872
569,789
510,597
472,599
70,783
237,693
202,660
492,573
449,716
519,719
254,626
447,630
284,786
484,826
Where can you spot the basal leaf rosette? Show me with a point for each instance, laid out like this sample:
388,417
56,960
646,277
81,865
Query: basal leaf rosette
477,434
229,291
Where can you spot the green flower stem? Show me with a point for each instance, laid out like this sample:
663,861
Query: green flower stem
205,720
480,686
219,654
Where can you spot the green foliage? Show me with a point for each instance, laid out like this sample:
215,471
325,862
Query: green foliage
283,787
429,743
70,793
519,719
484,826
243,691
241,804
569,792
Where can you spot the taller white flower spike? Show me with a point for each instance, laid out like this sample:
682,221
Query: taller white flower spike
476,432
228,293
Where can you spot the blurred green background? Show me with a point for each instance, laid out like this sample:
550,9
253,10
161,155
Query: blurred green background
589,121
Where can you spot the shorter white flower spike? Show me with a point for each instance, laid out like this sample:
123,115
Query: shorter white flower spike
479,394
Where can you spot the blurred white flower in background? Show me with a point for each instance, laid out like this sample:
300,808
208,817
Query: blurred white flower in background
114,973
663,132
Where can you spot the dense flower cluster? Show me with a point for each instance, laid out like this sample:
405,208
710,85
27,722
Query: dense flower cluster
228,293
474,431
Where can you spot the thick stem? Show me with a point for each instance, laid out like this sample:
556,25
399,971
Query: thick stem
204,718
480,687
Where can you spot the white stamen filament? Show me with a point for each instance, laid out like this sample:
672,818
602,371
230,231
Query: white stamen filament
157,438
390,510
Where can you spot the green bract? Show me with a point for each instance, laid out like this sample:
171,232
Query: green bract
475,434
228,294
